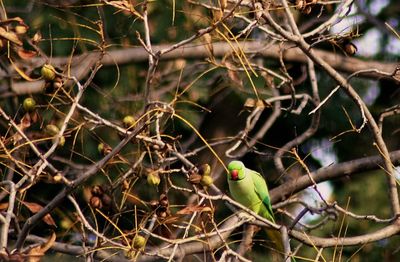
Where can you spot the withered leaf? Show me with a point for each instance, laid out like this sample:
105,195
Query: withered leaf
24,124
3,206
10,36
233,74
26,54
13,19
36,253
34,208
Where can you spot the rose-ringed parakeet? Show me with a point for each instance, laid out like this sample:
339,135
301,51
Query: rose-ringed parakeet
249,188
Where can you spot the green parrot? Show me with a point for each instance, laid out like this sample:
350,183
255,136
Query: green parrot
249,188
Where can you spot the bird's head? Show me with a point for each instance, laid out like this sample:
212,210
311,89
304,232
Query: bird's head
236,170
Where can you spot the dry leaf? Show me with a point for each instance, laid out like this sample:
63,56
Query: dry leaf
21,73
37,38
3,206
34,208
26,54
36,253
10,20
24,124
10,36
209,46
233,75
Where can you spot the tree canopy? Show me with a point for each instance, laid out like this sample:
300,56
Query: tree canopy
112,113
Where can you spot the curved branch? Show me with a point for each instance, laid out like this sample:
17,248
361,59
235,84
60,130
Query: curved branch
383,233
284,191
199,51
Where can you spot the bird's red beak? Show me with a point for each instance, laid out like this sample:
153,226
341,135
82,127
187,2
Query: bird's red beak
234,175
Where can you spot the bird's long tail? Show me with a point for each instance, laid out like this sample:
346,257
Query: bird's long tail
276,238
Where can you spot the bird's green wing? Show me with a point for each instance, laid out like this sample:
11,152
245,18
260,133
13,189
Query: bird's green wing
261,189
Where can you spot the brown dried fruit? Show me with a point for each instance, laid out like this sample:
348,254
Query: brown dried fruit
104,148
164,200
350,48
95,202
154,204
57,83
194,178
106,199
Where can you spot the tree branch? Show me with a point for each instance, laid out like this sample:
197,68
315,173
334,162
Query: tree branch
284,191
198,51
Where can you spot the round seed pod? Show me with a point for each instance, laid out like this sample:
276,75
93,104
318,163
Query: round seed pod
128,121
206,180
153,179
100,147
154,204
29,104
138,242
350,48
95,202
52,130
48,72
205,170
57,83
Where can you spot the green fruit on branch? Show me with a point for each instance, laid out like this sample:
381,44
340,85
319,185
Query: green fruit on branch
52,130
29,104
138,242
128,121
153,179
205,170
48,72
206,180
104,148
100,148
